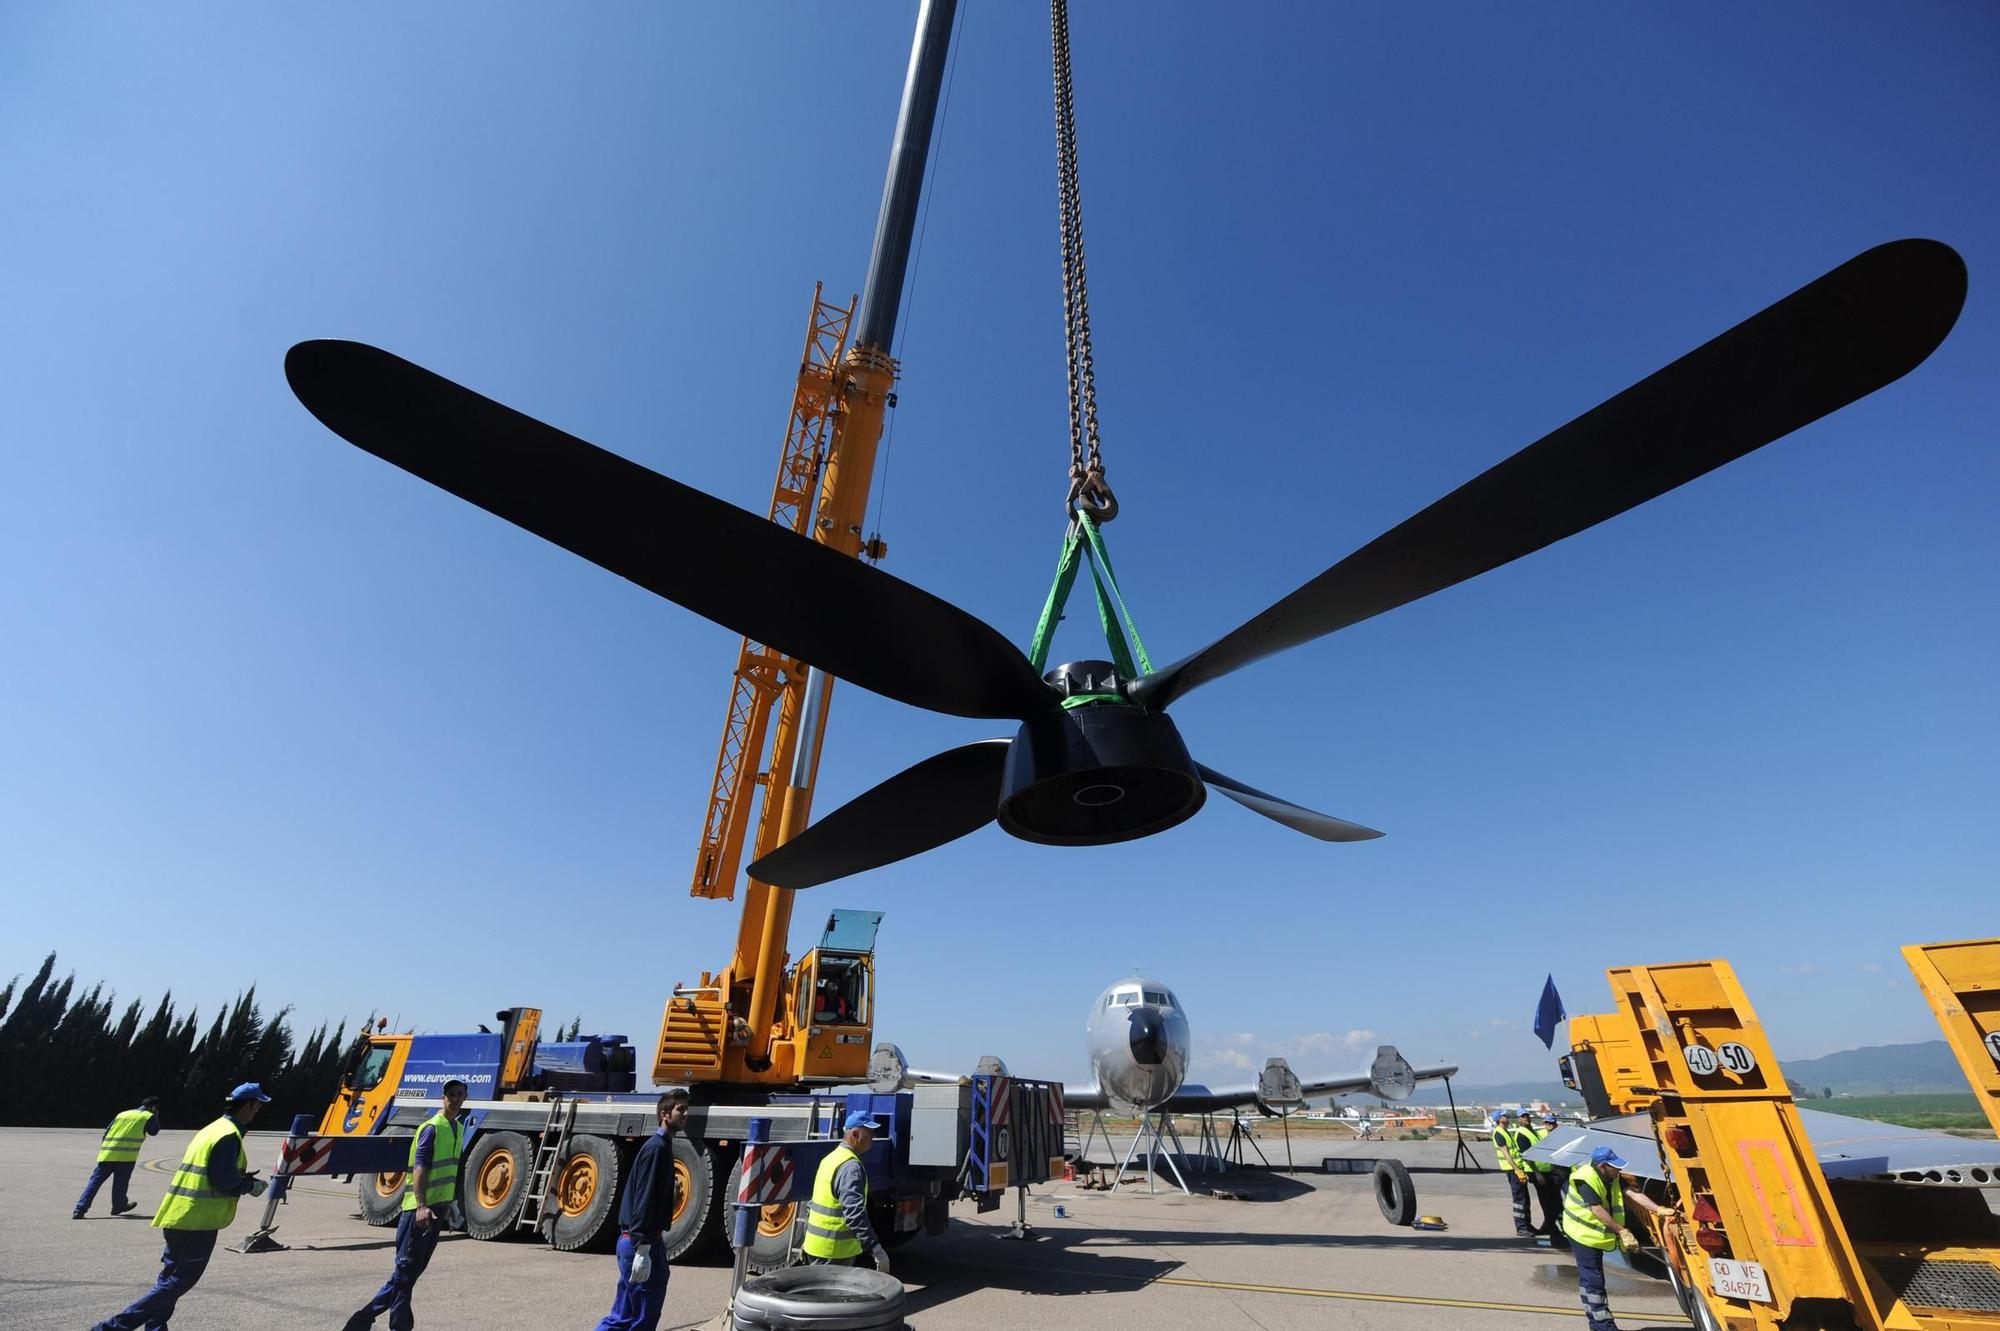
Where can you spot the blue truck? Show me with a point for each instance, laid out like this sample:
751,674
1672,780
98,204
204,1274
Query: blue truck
553,1125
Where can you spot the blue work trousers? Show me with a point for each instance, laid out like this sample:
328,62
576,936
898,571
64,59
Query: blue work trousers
120,1174
1519,1191
1590,1286
181,1265
414,1245
637,1307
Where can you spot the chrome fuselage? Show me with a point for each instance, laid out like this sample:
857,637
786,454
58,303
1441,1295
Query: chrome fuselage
1138,1040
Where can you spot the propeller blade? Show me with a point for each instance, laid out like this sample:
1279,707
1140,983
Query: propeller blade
722,562
1862,326
1297,817
941,799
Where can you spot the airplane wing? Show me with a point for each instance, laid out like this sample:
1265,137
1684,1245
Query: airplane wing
1084,1097
1857,1149
1279,1088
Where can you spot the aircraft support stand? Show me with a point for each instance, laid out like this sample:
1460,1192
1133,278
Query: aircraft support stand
1090,1135
1463,1156
1238,1134
1151,1127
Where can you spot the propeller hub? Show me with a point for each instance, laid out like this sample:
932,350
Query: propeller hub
1098,772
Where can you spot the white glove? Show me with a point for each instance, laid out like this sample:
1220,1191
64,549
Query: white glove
881,1259
258,1187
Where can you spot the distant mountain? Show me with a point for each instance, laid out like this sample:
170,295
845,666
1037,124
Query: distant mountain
1887,1069
1883,1069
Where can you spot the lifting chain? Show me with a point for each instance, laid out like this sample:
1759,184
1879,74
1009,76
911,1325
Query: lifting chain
1088,490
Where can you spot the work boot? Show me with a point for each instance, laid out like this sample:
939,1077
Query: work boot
76,1215
121,1210
360,1321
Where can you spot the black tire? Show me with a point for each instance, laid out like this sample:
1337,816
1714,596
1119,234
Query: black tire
1394,1192
820,1298
494,1182
381,1195
771,1242
700,1221
583,1194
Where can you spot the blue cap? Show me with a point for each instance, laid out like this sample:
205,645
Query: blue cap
1604,1155
249,1090
1503,1113
1550,1118
861,1118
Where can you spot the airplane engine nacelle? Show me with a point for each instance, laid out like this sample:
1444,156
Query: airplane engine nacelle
1390,1075
1099,772
1278,1087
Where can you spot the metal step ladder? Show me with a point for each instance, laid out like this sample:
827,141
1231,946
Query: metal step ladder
548,1153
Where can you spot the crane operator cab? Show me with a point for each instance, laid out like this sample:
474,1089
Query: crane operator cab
833,996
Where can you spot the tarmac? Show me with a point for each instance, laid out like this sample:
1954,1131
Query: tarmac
1285,1252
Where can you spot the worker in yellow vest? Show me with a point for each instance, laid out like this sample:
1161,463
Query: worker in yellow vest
117,1154
200,1203
837,1226
1549,1182
1507,1154
428,1197
1594,1220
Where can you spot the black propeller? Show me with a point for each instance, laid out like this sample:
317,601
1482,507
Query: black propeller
1113,767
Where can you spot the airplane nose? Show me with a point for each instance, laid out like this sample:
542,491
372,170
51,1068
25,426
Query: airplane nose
1148,1037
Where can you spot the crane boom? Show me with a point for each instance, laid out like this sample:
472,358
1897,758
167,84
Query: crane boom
735,1027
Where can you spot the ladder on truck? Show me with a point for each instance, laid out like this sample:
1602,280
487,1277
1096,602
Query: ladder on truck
535,1213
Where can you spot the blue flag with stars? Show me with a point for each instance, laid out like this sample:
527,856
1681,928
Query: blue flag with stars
1548,1012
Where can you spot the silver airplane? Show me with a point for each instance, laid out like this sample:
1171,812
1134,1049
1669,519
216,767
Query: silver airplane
1138,1041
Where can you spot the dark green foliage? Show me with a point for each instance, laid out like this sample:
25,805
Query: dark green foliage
77,1062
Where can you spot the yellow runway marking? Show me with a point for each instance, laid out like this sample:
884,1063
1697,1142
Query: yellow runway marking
1359,1296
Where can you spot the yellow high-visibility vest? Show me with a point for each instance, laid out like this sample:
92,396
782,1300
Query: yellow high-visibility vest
441,1175
1580,1222
827,1234
190,1203
124,1137
1506,1153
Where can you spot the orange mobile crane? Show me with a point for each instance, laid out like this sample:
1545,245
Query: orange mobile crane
756,1024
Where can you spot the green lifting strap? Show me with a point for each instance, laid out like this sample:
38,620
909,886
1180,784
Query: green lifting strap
1083,544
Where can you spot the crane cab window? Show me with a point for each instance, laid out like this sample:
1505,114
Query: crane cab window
840,996
374,1065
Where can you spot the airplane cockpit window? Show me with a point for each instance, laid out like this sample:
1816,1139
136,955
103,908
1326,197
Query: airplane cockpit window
1158,997
1125,998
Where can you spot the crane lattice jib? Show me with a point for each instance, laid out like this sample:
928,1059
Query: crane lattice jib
764,675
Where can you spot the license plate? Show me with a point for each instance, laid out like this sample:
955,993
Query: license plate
1739,1280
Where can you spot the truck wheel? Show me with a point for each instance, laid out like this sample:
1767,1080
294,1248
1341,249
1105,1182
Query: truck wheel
381,1195
583,1194
495,1180
771,1241
1394,1192
697,1224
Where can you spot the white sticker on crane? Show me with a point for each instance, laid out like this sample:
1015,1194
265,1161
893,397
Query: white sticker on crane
1700,1060
1739,1280
1737,1058
1993,1046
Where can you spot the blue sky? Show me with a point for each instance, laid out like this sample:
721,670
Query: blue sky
1341,260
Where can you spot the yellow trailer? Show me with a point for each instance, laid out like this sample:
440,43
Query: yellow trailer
1787,1218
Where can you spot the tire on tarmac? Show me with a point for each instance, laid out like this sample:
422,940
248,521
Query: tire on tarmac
699,1223
494,1182
583,1194
1394,1192
381,1195
820,1298
771,1241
